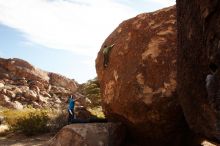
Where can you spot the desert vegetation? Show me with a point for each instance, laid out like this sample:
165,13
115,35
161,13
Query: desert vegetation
91,91
31,121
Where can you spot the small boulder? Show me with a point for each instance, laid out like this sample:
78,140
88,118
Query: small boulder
1,85
17,90
36,105
10,94
43,99
31,95
91,134
45,94
36,89
17,105
5,101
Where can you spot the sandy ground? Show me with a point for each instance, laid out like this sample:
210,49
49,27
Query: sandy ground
21,140
17,139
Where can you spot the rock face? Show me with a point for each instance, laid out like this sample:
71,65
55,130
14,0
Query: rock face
139,85
198,45
62,81
96,134
21,84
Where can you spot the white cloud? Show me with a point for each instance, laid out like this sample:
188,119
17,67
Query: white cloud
80,26
77,25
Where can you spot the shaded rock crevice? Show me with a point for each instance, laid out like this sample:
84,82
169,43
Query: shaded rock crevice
198,23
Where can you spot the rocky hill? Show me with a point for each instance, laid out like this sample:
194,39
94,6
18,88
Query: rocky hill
21,84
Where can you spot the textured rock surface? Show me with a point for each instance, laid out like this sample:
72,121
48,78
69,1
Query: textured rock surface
62,81
198,43
21,84
96,134
139,85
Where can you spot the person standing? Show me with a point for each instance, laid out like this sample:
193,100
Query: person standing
71,107
213,90
212,84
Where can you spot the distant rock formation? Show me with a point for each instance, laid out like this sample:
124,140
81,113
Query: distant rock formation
90,134
21,84
198,46
139,85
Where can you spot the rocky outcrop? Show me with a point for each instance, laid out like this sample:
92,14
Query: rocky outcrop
17,69
198,45
21,84
139,85
58,80
96,134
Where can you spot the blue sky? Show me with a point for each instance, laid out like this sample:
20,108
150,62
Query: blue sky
64,36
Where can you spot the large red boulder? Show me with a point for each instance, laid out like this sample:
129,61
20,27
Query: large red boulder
139,85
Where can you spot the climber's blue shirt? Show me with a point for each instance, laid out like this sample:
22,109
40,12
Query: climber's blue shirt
71,104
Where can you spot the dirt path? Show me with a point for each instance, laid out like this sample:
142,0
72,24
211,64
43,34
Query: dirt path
21,140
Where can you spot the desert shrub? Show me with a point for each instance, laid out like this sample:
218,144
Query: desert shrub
33,123
91,90
97,111
58,119
29,121
11,115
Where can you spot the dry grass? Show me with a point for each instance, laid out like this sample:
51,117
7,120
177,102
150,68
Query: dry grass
29,121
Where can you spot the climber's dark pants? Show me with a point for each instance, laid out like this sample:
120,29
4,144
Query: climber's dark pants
79,121
70,117
218,121
217,109
90,120
216,106
106,59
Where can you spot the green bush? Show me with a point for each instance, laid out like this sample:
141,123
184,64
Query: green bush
32,124
91,90
97,111
29,121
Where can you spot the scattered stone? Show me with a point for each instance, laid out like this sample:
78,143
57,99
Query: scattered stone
10,94
36,105
31,95
43,99
2,85
17,105
45,94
